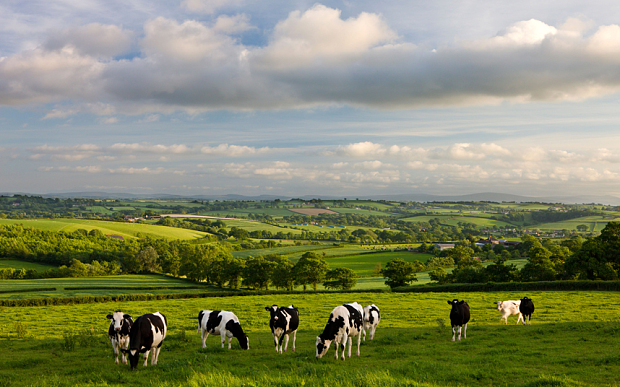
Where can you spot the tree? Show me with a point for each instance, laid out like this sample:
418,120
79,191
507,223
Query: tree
310,269
341,278
539,267
590,262
282,274
438,275
398,273
582,227
147,259
258,272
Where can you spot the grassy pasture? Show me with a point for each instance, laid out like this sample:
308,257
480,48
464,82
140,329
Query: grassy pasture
126,230
364,264
107,286
286,250
479,221
572,342
12,264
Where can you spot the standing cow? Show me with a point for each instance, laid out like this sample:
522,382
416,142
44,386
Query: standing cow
147,333
118,333
345,322
283,321
509,308
459,317
224,323
526,308
372,316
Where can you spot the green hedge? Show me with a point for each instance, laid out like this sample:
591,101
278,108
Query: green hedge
513,286
152,297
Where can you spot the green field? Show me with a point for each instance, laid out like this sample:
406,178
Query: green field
106,286
126,230
364,264
572,341
12,264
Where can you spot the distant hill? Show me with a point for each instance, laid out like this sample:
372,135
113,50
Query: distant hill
423,198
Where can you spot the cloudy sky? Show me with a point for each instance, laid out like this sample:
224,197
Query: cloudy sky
347,98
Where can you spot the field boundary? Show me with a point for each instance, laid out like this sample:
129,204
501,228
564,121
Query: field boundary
512,286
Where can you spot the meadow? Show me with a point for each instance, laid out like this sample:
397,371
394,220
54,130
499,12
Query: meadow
572,341
126,230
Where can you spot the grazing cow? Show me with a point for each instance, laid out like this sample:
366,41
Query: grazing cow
120,324
459,317
224,323
372,316
509,308
147,332
527,308
345,322
284,320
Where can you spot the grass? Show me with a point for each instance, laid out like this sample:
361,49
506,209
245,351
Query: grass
572,342
107,286
364,264
12,264
126,230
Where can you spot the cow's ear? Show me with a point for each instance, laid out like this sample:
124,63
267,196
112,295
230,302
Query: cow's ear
109,316
126,316
462,302
449,302
267,308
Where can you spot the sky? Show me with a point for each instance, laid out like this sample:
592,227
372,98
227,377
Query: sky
292,98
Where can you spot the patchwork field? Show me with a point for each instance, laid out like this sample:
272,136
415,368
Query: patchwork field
311,211
126,230
572,341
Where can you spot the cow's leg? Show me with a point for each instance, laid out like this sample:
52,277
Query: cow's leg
337,345
154,357
276,340
460,328
364,332
453,332
123,355
520,319
372,332
359,341
285,343
230,342
294,337
205,334
223,338
465,332
146,356
528,319
116,348
345,341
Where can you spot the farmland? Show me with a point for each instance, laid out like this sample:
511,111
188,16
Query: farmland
576,333
126,230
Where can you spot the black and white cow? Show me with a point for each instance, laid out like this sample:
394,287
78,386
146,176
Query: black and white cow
120,324
224,323
526,308
459,317
372,316
284,321
345,322
147,333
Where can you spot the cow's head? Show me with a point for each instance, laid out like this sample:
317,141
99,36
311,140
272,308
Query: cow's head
117,319
273,310
456,304
321,346
244,342
499,305
133,355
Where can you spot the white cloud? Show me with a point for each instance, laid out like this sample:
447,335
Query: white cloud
321,36
232,24
232,150
361,149
93,39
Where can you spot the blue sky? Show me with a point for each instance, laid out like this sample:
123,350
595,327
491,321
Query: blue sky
348,98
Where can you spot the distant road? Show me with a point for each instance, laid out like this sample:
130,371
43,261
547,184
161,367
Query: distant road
201,216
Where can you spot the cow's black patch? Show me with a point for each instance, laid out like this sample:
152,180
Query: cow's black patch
355,317
332,327
213,321
235,328
371,318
